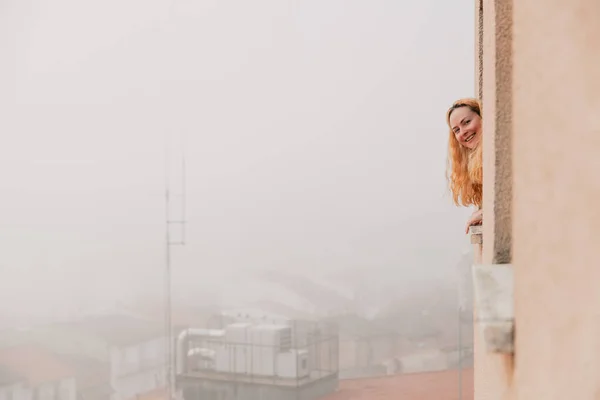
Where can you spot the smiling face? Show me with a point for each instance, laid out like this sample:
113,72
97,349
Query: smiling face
466,125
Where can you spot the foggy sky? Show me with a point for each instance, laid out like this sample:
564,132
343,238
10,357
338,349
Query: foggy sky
314,136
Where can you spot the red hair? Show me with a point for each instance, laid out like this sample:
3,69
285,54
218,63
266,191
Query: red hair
465,166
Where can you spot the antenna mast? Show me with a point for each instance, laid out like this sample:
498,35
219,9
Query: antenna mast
170,372
170,378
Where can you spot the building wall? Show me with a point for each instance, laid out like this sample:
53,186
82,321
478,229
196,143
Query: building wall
493,372
130,386
556,223
15,392
138,368
425,361
134,369
541,99
230,390
348,350
64,389
67,389
370,351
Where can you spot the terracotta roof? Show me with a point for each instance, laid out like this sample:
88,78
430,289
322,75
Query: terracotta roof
424,386
89,372
196,316
34,364
156,394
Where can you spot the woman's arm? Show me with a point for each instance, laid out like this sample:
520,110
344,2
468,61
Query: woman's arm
475,219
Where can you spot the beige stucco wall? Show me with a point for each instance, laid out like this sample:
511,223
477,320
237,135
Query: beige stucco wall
541,97
556,211
493,372
498,128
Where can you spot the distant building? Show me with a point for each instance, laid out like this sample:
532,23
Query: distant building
12,385
28,372
131,350
91,376
371,347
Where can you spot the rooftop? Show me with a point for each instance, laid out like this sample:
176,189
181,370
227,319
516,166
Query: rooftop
441,385
34,364
156,394
117,329
183,315
359,327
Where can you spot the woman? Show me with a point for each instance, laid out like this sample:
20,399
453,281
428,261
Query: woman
465,170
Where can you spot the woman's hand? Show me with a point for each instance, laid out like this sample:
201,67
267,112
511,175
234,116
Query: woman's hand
476,219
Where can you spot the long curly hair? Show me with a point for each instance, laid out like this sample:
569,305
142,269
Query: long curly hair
465,166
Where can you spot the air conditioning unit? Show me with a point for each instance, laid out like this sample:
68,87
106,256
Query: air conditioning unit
260,350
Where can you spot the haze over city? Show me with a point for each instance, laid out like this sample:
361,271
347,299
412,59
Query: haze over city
313,132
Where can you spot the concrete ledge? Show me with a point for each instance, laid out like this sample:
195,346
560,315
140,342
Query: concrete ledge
493,287
476,233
